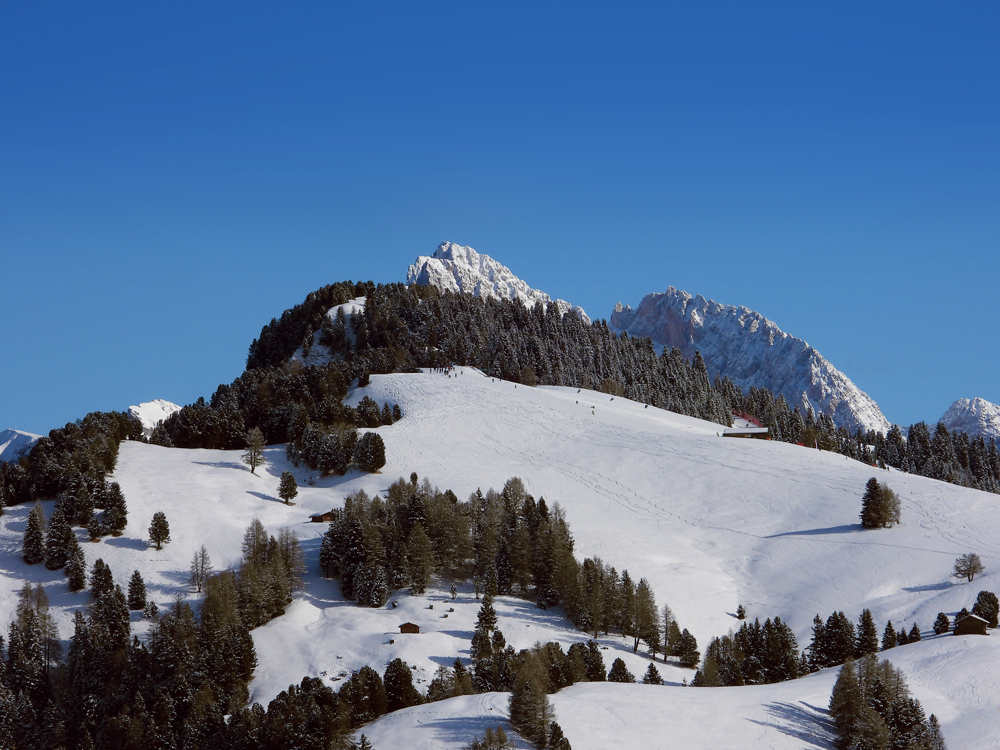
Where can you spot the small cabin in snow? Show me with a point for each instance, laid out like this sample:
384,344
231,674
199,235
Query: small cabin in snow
321,517
746,426
409,627
971,625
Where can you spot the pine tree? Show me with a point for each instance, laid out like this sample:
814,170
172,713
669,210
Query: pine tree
988,607
76,569
652,676
116,511
941,624
33,548
619,672
399,690
159,530
741,612
914,633
369,452
136,592
867,635
420,559
287,488
57,542
888,636
689,656
254,455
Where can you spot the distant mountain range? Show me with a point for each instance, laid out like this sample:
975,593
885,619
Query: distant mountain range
16,443
975,416
461,269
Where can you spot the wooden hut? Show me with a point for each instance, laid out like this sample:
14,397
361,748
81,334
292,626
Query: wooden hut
409,627
321,517
971,625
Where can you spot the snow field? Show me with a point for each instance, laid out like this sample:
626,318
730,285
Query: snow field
710,522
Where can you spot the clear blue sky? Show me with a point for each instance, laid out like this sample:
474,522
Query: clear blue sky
174,175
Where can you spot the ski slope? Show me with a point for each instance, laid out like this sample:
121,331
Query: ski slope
711,522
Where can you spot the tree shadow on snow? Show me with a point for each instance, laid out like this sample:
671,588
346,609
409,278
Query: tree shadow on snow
224,465
845,529
802,721
459,730
264,496
932,587
125,542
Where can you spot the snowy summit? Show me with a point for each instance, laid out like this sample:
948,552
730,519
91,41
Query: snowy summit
15,443
752,351
976,416
456,268
151,413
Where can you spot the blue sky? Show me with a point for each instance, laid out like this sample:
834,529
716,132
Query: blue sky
172,176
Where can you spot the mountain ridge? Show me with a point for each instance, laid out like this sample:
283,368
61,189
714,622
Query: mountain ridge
750,350
974,416
457,268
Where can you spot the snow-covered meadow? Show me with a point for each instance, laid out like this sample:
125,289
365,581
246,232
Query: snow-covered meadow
711,522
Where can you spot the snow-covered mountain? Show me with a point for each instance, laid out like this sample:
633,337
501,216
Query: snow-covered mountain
461,269
15,443
976,416
151,413
752,351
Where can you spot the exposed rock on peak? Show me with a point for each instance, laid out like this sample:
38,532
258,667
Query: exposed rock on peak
752,351
975,416
461,269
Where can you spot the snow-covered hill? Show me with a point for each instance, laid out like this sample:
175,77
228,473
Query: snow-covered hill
151,413
710,522
461,269
16,443
975,416
752,351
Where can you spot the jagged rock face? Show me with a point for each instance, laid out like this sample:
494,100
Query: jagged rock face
975,416
151,413
15,443
752,351
461,269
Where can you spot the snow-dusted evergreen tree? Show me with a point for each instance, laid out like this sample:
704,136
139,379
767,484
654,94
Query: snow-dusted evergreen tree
888,636
941,624
419,558
136,592
159,530
369,452
287,488
76,568
652,676
867,635
619,672
988,607
399,690
116,511
57,540
33,547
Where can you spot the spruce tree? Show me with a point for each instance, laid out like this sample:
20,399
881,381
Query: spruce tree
941,624
988,607
914,633
652,676
287,488
867,638
619,672
33,547
888,636
57,542
136,592
116,513
399,690
159,530
76,569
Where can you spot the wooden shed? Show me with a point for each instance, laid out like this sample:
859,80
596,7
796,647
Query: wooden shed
971,625
321,517
409,627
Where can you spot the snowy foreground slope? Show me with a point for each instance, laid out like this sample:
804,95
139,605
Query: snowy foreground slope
711,522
